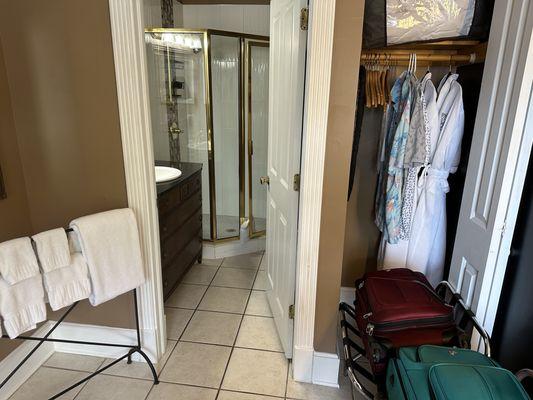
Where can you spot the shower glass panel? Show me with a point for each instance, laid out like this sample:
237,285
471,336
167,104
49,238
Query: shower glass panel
209,105
177,84
258,57
225,91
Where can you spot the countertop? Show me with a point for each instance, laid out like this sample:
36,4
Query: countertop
187,169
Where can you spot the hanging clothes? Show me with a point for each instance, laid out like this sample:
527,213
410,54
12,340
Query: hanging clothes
427,244
391,177
420,146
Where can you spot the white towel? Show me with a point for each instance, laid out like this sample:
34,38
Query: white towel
22,305
110,245
17,260
52,249
67,285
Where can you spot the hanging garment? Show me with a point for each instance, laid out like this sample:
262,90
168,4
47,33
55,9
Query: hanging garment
427,243
359,112
389,202
420,146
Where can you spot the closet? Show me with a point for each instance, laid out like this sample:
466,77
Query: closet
380,70
480,190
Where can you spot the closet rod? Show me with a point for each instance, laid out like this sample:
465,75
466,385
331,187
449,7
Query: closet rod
386,58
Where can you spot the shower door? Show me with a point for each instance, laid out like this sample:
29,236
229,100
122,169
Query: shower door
257,57
225,82
179,102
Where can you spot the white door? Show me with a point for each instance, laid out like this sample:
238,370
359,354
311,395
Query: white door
286,90
496,170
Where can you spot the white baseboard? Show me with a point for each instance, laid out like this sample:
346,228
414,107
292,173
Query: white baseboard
37,359
347,295
316,367
70,331
302,364
232,248
94,333
326,369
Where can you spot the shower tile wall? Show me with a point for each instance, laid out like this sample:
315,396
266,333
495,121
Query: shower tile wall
252,19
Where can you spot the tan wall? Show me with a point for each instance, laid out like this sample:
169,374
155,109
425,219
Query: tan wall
59,62
14,211
344,76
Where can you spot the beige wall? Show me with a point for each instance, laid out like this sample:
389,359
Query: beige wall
344,76
14,212
59,62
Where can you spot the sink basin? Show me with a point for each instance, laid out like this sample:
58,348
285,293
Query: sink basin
165,174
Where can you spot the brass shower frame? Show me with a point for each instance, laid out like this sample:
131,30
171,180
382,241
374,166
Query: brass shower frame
206,38
249,45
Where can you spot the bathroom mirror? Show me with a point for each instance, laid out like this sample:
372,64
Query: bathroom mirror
3,193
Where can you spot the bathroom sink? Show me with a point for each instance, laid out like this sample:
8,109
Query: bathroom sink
165,174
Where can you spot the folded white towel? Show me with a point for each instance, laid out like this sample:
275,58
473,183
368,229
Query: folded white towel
52,249
110,245
17,260
22,305
67,285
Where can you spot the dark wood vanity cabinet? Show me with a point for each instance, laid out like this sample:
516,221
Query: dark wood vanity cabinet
180,224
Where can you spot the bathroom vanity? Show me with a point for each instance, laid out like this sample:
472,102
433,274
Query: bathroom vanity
180,222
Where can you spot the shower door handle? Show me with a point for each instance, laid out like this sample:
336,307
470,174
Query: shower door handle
265,180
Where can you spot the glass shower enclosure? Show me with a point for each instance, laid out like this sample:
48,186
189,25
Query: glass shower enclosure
209,105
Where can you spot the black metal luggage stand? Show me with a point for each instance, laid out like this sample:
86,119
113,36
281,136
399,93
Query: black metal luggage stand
465,320
133,348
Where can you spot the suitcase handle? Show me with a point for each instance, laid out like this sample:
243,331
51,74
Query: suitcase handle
524,373
455,300
351,365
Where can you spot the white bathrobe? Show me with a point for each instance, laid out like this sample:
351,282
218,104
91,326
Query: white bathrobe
395,255
427,244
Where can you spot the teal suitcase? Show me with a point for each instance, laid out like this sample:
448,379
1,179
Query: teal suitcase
443,373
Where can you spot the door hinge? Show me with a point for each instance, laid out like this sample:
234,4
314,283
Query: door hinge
304,19
291,311
296,182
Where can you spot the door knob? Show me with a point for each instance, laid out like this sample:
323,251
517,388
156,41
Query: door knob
265,180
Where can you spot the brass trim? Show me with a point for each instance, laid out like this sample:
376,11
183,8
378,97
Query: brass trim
212,181
209,31
251,225
210,137
242,133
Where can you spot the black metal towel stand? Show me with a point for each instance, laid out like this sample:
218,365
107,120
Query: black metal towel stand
133,348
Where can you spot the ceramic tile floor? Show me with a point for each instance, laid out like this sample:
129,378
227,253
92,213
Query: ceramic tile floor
222,345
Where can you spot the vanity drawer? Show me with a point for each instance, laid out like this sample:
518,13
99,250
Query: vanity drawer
168,201
175,271
174,244
177,216
193,184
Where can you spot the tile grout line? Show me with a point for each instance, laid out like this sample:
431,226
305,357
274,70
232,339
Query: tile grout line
185,328
238,330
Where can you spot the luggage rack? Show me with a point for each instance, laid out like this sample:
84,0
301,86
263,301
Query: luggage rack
133,348
353,352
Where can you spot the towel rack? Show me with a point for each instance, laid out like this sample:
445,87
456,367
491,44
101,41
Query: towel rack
133,348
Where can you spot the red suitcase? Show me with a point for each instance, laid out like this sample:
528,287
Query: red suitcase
397,308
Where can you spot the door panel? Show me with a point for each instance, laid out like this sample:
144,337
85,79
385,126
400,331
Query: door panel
286,88
496,169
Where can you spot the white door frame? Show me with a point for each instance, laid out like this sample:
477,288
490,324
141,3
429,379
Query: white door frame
127,29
